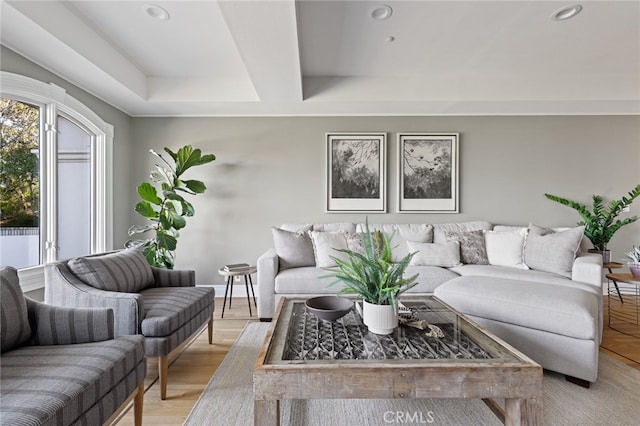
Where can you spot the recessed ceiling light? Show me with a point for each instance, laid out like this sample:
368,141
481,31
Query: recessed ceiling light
156,12
566,12
381,13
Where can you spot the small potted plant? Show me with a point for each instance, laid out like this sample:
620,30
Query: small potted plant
374,277
600,223
634,264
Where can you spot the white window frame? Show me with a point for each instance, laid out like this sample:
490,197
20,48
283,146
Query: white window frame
53,100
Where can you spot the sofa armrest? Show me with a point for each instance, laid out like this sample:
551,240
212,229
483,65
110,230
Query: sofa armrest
58,325
268,265
587,268
63,288
173,277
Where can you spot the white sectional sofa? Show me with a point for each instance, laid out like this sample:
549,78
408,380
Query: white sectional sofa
536,288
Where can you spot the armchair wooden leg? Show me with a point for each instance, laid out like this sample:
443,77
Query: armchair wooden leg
163,366
137,405
210,330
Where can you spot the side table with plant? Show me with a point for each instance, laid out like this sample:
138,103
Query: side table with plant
374,277
634,265
600,223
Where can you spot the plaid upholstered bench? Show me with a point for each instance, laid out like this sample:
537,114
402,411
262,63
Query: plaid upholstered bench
63,366
163,305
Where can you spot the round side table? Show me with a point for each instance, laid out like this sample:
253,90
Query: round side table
625,320
230,275
610,266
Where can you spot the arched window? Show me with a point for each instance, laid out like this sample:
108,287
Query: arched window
55,177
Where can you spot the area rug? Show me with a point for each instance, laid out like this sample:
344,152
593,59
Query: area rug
228,400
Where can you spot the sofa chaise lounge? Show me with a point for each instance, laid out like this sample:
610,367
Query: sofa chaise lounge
163,305
63,366
536,288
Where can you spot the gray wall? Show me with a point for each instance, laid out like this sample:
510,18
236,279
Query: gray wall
15,63
272,170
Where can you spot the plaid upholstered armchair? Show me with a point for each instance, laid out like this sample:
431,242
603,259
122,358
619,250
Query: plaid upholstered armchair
63,366
163,305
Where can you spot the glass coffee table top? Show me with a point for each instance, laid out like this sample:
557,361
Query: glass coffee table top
300,337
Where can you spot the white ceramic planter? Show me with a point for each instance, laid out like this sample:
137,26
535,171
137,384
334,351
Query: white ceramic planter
380,319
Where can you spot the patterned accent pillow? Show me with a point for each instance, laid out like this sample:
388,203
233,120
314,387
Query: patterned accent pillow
15,329
472,248
294,249
125,271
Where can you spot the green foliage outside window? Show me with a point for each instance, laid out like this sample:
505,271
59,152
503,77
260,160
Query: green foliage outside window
19,177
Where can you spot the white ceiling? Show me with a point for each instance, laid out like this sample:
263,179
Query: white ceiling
286,57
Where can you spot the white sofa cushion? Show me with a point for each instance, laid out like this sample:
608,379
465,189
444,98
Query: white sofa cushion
500,272
506,248
433,254
306,280
550,251
429,278
556,309
402,233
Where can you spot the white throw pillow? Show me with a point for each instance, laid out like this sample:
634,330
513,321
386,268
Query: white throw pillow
506,248
432,254
327,244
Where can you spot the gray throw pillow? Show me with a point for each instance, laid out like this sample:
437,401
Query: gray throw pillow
294,249
549,251
472,248
15,328
125,271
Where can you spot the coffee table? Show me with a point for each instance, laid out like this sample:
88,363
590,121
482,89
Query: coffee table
303,357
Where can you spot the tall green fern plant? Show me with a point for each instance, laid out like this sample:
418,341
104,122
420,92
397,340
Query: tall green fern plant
371,274
167,210
600,223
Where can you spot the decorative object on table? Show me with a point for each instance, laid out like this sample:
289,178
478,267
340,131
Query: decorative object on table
408,319
167,211
329,308
236,267
372,275
356,172
428,172
634,265
600,223
237,271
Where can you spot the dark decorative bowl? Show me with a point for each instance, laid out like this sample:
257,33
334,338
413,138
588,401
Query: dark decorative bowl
328,308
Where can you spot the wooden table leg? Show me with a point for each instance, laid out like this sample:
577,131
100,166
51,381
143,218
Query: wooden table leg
525,412
266,412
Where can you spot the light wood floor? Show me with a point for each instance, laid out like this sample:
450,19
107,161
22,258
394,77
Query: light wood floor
191,371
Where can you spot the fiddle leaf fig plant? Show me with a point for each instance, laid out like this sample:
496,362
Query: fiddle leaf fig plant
165,207
600,222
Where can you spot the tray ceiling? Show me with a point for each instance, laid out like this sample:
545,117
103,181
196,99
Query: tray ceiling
285,57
